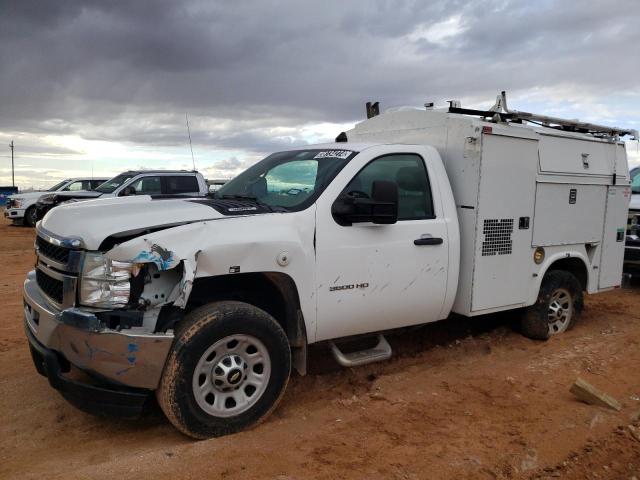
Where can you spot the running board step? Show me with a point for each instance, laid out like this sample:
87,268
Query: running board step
382,351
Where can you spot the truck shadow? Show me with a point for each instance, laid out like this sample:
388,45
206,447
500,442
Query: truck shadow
407,343
413,341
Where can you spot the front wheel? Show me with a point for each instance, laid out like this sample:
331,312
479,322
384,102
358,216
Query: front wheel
31,217
558,306
227,370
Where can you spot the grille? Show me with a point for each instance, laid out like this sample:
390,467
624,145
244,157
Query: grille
497,237
54,252
51,287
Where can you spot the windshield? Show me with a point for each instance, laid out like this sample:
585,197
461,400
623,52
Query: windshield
292,180
57,186
110,185
635,180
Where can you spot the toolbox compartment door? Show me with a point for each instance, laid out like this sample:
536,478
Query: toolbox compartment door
562,155
568,214
615,225
503,230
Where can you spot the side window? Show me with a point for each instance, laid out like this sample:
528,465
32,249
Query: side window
75,187
96,183
181,184
409,172
147,186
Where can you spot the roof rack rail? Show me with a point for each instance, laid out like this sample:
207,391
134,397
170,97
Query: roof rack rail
500,112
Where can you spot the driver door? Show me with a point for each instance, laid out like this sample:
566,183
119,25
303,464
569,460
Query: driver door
376,277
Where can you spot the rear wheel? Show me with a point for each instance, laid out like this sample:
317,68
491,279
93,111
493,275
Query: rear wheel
558,306
31,217
227,370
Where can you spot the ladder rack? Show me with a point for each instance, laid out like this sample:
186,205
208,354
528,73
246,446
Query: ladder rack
500,112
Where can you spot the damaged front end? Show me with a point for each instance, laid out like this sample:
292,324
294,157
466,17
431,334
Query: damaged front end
85,311
159,263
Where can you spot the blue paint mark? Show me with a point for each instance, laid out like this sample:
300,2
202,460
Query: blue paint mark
132,347
132,359
162,258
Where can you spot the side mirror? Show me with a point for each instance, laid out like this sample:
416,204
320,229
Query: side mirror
381,208
127,191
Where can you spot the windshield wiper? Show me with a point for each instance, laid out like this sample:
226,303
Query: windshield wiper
255,200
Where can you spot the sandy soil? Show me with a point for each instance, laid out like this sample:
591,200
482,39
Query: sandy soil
464,399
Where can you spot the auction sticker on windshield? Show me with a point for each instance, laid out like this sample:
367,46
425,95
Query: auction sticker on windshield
343,154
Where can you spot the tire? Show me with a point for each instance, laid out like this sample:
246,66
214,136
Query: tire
31,217
205,369
559,305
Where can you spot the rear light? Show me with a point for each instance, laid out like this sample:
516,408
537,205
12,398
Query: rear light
487,129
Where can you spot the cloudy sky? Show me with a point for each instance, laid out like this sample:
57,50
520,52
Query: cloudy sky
105,86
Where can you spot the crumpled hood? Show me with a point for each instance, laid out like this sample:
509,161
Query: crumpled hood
94,220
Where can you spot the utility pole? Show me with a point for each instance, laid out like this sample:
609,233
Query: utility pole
13,177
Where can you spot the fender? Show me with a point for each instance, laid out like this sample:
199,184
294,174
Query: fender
281,243
556,257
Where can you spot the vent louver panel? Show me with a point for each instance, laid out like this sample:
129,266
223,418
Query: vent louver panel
497,237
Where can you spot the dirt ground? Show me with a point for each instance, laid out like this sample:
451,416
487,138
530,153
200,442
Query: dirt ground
463,399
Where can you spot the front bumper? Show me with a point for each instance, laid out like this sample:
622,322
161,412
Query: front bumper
129,357
14,213
94,399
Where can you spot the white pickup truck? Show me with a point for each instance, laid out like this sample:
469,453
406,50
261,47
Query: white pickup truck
132,182
412,215
21,207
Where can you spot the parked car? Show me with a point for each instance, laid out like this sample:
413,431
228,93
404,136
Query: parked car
208,303
21,207
632,242
133,182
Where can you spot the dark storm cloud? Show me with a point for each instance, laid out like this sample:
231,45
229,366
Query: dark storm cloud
127,71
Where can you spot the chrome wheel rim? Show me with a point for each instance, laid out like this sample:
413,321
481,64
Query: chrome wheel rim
231,375
560,311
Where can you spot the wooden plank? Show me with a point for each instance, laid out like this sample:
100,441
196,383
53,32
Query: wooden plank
587,393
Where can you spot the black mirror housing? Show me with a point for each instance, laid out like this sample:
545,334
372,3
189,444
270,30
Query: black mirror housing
381,208
385,202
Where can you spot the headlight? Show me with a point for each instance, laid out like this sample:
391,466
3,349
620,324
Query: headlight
17,202
105,283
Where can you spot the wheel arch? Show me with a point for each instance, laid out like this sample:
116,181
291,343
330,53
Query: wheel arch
274,292
573,262
574,265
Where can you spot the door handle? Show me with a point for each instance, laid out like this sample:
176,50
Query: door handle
428,241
